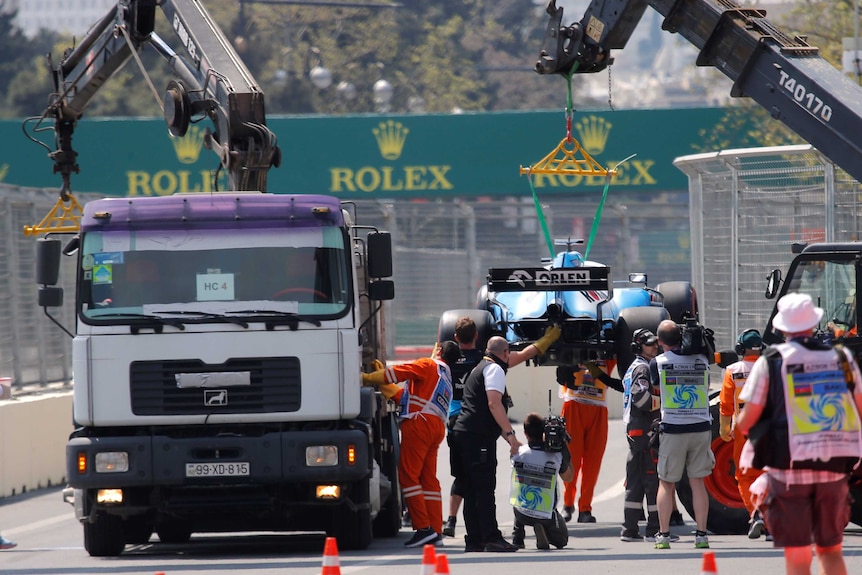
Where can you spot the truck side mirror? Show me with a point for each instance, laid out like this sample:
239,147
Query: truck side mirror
50,296
47,261
381,290
379,255
773,281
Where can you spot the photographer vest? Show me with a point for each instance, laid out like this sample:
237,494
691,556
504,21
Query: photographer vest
684,384
533,487
808,386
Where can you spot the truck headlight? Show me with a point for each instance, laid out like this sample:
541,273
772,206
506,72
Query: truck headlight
321,455
112,496
112,462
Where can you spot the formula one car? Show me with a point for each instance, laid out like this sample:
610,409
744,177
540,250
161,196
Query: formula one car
596,316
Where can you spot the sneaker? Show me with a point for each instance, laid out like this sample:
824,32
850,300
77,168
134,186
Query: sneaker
405,519
499,546
421,537
651,538
701,542
629,536
756,528
449,527
676,519
767,535
662,541
6,543
586,517
567,513
541,537
438,542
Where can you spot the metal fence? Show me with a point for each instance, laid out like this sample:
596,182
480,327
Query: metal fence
443,249
747,208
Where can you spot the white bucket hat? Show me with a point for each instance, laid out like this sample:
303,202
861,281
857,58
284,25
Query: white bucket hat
796,313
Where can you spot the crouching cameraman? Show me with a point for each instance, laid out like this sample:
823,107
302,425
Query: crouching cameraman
533,490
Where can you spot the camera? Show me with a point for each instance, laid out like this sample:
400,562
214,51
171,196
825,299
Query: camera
555,435
697,339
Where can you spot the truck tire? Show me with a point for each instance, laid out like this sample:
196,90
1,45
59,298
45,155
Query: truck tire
104,536
484,325
351,527
679,298
388,520
174,531
137,530
727,514
630,320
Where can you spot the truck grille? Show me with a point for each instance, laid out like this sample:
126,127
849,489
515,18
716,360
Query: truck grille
275,387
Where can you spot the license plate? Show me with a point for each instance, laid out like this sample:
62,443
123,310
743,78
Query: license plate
235,469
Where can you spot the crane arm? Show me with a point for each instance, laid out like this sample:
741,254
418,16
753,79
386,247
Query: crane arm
783,74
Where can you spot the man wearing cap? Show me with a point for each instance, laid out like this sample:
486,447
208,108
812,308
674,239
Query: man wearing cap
819,389
640,408
748,345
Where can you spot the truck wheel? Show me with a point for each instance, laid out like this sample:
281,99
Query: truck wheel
484,325
137,530
679,298
352,527
104,536
174,532
388,520
727,514
630,320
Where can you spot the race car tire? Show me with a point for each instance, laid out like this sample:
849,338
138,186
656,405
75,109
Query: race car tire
680,299
630,320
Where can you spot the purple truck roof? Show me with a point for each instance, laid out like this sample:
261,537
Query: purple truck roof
213,210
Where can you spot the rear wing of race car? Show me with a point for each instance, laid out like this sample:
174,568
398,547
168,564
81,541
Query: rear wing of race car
554,279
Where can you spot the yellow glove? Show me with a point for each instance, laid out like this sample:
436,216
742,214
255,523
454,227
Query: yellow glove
724,427
594,370
377,365
435,350
374,378
552,334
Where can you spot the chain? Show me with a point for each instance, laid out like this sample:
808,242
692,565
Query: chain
610,96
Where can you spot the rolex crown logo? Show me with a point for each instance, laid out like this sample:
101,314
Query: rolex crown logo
188,148
594,133
390,136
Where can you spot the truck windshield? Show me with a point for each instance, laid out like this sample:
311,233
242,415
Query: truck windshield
211,273
832,285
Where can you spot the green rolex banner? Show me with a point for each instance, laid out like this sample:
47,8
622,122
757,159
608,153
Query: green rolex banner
392,156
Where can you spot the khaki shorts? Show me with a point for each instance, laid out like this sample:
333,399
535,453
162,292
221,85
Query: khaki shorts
690,452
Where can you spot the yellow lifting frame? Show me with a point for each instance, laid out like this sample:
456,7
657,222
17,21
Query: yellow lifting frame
563,161
62,219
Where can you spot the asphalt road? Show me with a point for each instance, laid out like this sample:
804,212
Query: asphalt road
51,543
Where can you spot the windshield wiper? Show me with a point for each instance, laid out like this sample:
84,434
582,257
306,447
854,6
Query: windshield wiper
291,319
209,315
159,321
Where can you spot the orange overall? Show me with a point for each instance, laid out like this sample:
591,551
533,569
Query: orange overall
586,412
422,431
735,376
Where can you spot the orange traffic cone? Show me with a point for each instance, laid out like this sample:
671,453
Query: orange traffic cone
429,560
708,567
330,558
442,565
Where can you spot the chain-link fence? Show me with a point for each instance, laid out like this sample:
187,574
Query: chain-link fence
443,250
748,207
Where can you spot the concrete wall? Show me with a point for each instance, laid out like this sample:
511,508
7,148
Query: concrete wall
34,429
33,434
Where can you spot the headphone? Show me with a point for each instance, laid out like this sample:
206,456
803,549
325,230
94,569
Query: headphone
637,336
740,347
